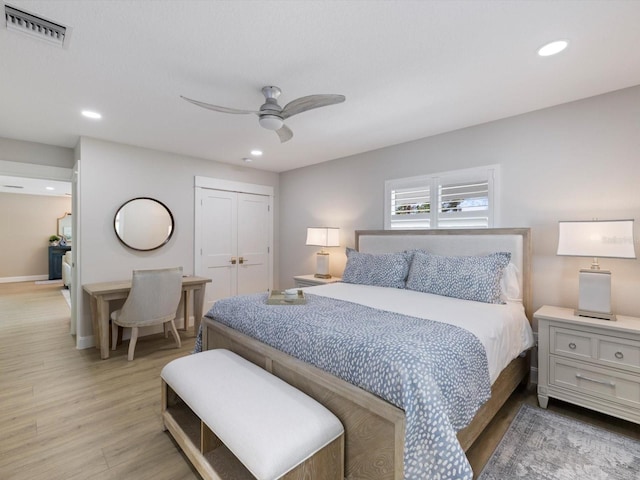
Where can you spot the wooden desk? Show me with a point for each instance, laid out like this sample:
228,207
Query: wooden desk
102,294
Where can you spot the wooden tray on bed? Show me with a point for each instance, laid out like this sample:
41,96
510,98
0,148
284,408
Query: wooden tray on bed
278,297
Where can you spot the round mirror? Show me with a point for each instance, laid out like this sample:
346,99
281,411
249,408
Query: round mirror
143,224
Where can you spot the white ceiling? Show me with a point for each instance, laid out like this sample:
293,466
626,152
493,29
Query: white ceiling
34,186
409,69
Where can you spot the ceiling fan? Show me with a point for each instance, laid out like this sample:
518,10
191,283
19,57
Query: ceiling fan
271,115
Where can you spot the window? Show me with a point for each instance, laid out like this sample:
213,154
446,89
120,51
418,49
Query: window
456,199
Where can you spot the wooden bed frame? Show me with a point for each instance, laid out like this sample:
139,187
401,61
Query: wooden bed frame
374,429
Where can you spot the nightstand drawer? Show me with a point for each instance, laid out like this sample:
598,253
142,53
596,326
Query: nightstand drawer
606,384
619,353
571,343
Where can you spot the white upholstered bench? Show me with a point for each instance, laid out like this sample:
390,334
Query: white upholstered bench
235,420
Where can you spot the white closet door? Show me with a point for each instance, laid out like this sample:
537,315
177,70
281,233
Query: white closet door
253,243
218,228
233,236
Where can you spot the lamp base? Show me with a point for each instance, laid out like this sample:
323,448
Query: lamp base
322,267
594,299
600,315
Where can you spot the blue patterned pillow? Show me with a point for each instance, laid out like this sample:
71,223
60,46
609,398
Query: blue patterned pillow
468,278
381,270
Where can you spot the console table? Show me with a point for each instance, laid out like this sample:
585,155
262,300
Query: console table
101,294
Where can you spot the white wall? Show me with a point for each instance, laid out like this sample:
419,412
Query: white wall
575,161
111,174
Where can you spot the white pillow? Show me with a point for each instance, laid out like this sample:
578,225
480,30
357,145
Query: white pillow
509,285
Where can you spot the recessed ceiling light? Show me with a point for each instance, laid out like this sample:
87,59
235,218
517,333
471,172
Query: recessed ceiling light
256,153
49,188
90,114
552,48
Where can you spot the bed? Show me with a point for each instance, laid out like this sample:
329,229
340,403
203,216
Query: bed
380,434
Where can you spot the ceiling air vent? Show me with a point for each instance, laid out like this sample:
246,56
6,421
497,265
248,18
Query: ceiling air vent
37,27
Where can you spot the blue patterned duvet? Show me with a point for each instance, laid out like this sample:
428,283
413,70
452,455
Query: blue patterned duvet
436,373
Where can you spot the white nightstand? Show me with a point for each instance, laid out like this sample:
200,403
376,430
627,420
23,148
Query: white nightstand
589,362
310,281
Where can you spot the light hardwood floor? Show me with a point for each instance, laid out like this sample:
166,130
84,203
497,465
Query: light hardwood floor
68,415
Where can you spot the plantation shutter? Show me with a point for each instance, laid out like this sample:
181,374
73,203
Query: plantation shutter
457,199
411,207
464,205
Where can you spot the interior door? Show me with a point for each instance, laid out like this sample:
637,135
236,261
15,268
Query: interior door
218,227
253,243
233,231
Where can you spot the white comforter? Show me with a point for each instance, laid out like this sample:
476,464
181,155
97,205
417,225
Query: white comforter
504,330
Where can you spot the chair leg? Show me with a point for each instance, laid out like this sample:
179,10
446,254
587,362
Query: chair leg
174,331
114,335
132,342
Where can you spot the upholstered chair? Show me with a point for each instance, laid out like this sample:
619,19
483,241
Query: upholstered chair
153,300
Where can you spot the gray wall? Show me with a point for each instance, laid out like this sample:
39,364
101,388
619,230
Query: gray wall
111,174
575,161
35,153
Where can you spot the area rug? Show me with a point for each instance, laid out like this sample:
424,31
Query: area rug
544,445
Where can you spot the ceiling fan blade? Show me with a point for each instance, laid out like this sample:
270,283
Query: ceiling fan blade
284,133
303,104
218,108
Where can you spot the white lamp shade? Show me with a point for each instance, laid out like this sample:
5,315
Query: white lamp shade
323,236
597,238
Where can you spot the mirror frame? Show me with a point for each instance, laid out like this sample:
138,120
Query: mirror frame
166,239
59,230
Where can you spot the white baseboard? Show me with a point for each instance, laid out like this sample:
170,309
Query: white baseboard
29,278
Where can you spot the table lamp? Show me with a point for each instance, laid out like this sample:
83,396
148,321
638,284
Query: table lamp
323,237
596,238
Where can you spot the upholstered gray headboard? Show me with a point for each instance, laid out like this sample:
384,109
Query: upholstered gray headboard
517,241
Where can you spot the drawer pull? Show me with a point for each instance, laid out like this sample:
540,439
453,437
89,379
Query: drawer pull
619,355
601,382
572,346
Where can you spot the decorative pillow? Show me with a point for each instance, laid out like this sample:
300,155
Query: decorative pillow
468,278
381,270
